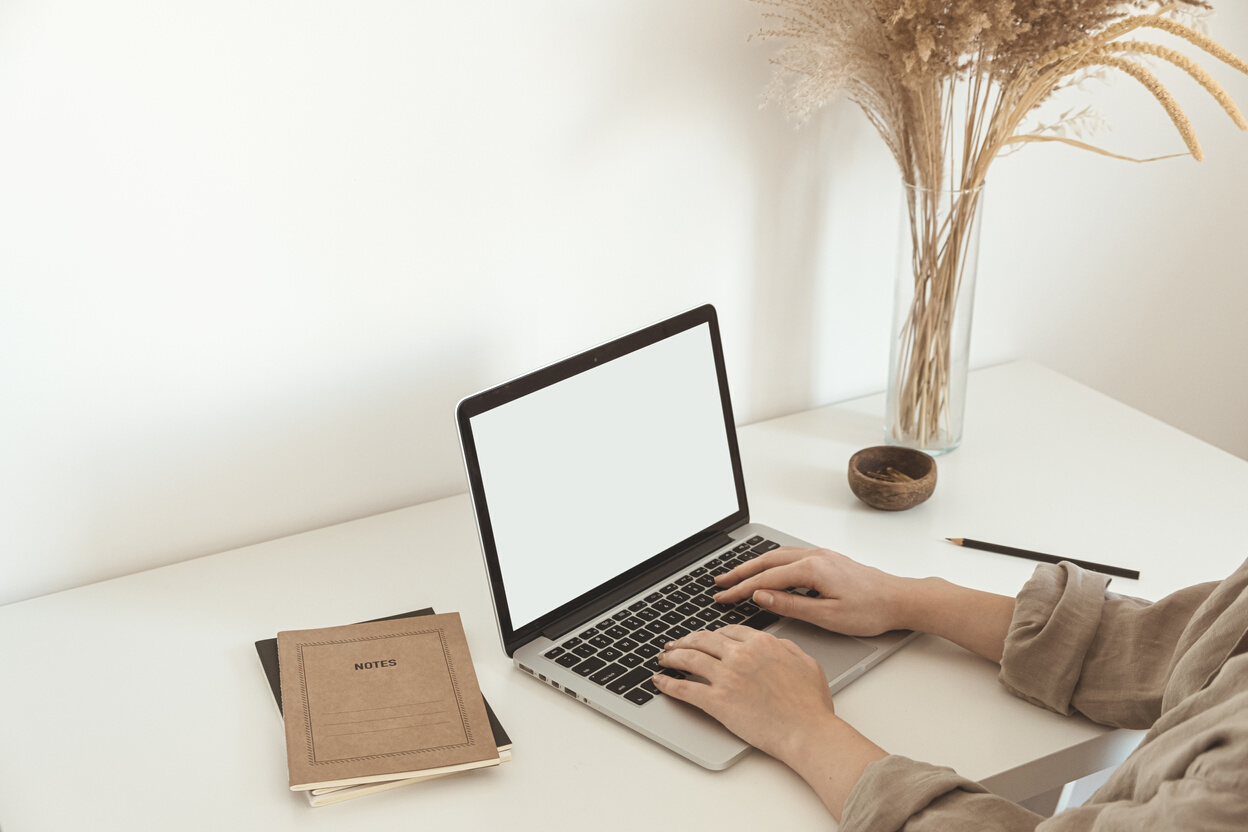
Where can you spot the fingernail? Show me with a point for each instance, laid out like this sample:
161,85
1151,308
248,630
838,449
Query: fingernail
763,598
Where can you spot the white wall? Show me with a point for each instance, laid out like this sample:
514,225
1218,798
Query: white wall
252,252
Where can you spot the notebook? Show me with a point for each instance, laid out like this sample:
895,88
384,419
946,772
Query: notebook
608,493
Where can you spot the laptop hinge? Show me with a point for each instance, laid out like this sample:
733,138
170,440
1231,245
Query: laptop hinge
598,606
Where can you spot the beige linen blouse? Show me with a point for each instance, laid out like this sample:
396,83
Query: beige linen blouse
1177,667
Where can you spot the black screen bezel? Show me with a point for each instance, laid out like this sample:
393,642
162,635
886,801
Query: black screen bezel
529,383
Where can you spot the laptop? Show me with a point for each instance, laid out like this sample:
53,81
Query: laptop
608,494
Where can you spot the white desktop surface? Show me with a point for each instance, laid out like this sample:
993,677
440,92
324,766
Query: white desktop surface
139,703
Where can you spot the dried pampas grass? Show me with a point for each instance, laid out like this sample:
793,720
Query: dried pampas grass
948,84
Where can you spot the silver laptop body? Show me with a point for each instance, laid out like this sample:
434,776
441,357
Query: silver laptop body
608,493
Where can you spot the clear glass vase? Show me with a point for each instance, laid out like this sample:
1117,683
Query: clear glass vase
931,333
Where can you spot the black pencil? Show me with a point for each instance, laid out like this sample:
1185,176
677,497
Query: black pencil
1042,557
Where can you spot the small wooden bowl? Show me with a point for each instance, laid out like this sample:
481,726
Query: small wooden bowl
886,495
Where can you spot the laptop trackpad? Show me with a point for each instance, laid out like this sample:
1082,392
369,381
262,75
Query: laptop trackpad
834,652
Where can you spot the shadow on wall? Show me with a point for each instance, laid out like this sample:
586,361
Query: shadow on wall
326,456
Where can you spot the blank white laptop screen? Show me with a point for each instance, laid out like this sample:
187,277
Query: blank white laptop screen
592,475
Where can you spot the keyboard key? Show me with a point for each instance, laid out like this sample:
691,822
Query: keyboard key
663,606
704,600
707,580
669,588
734,617
642,635
647,650
653,666
621,615
572,642
755,540
765,546
692,623
625,645
657,626
701,570
616,632
648,614
732,563
686,609
631,660
638,696
604,623
740,547
653,596
568,659
629,679
636,605
712,563
672,617
761,620
589,666
553,654
632,622
610,654
584,650
678,597
715,625
678,632
608,674
683,579
601,640
649,687
708,615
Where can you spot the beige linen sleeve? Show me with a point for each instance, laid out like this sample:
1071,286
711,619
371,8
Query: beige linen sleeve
1074,647
899,793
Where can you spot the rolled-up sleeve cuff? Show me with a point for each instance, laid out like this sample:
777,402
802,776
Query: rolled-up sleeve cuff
1055,620
893,789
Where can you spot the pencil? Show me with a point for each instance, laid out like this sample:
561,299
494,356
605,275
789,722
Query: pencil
1042,557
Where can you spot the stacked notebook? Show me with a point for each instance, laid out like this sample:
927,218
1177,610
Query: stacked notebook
386,703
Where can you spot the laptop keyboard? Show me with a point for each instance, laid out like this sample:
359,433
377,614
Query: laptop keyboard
620,652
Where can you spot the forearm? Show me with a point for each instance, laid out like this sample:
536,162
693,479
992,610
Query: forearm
831,757
975,620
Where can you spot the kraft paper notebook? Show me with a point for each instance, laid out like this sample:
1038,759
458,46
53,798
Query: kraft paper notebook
381,701
266,650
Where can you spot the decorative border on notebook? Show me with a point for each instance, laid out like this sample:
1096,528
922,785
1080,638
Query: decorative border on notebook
450,667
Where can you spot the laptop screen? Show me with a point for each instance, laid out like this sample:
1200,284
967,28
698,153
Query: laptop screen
584,478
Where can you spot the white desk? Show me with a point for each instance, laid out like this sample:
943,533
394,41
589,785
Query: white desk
139,704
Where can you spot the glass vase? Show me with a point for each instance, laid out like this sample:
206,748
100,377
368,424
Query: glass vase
931,333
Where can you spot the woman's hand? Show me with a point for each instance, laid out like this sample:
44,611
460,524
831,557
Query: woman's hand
861,601
762,688
853,599
775,697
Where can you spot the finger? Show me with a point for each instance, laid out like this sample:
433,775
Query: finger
790,605
695,693
739,632
710,643
779,577
693,661
769,560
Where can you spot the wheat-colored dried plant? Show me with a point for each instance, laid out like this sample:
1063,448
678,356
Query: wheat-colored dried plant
949,84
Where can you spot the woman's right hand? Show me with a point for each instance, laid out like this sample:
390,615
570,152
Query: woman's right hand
854,599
